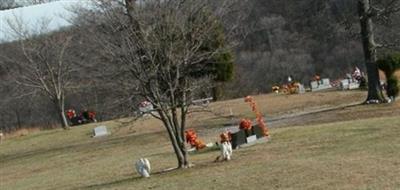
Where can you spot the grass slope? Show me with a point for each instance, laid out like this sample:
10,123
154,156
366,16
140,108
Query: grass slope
353,154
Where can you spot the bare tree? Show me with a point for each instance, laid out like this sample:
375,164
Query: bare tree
45,66
367,11
158,47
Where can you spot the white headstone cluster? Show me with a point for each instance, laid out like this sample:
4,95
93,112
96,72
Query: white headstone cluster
349,84
143,167
321,85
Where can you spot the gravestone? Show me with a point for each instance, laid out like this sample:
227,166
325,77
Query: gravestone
302,90
100,131
344,84
314,85
238,138
145,107
324,84
256,130
354,85
251,139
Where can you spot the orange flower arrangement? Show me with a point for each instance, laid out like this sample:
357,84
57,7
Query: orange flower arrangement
259,116
245,124
226,137
191,138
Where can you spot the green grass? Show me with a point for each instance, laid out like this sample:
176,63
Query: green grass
362,154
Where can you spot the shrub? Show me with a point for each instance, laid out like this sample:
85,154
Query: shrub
392,87
389,65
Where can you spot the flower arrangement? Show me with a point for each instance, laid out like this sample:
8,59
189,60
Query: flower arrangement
259,116
191,138
245,124
226,137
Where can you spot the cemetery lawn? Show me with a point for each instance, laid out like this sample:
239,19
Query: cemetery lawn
356,147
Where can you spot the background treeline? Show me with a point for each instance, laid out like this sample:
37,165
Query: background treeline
280,38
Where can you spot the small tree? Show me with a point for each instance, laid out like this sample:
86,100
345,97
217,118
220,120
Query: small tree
43,63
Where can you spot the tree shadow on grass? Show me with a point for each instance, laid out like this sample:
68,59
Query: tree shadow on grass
126,180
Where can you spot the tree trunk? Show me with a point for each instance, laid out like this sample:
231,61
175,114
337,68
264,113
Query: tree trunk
217,91
370,54
59,103
176,142
18,117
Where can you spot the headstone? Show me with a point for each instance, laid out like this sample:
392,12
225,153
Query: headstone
251,139
238,138
314,85
143,167
324,84
145,107
344,84
256,130
100,131
302,90
354,85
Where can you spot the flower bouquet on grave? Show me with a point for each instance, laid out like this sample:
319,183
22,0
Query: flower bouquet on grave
191,138
246,125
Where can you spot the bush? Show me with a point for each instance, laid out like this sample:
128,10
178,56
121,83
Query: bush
389,65
392,87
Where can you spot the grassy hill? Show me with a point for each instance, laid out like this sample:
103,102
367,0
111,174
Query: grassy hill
317,143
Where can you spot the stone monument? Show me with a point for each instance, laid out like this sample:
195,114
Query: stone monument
143,167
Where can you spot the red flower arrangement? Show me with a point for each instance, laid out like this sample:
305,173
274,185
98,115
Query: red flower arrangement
191,138
226,137
245,124
259,116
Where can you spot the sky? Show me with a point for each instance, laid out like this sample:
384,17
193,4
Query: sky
31,16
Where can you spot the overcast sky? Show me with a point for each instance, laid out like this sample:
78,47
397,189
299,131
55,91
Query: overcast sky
32,15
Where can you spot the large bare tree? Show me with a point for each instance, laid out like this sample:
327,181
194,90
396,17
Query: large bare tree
368,11
159,47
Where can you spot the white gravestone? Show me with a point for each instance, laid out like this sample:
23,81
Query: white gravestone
143,167
314,85
251,139
226,151
325,84
146,107
354,85
344,84
302,90
100,131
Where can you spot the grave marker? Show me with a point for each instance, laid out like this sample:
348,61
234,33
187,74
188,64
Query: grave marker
251,139
100,131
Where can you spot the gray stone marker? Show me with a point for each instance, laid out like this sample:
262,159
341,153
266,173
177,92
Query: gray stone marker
354,85
344,84
347,84
251,139
302,90
324,84
100,131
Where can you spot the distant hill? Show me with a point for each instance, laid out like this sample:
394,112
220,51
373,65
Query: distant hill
56,12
